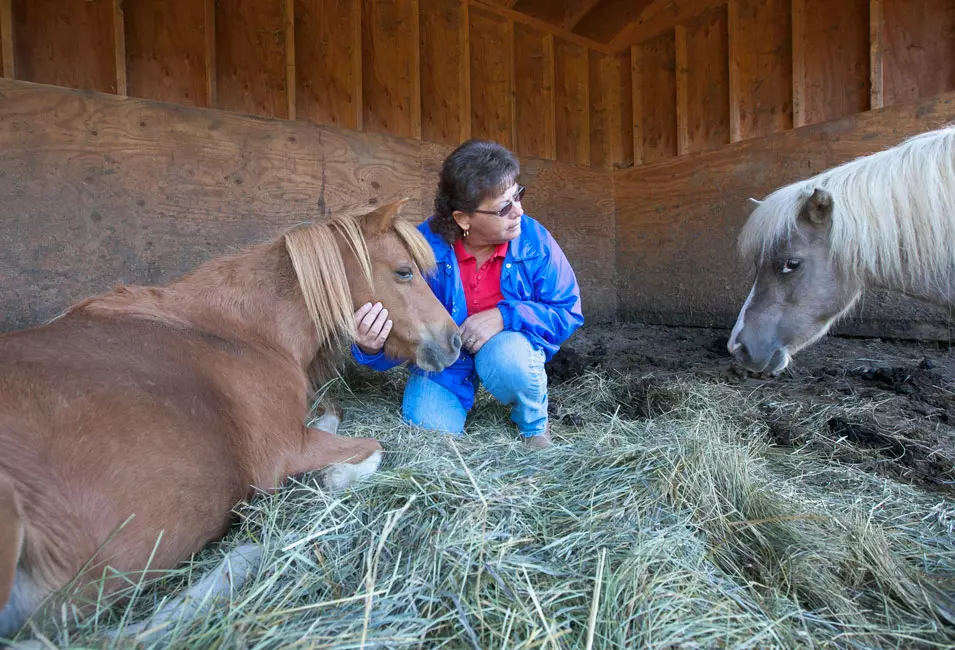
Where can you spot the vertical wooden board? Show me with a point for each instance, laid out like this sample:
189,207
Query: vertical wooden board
66,43
6,39
761,59
876,28
918,49
250,57
624,80
611,134
833,73
390,71
443,62
534,93
328,61
608,17
165,51
656,75
572,97
492,46
707,81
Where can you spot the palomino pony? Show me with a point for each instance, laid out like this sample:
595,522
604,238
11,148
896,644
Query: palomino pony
131,425
886,220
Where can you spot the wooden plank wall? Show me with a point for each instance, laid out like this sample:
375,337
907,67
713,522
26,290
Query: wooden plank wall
742,69
439,70
97,189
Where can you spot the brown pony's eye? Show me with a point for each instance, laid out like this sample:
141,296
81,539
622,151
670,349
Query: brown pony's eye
404,274
789,266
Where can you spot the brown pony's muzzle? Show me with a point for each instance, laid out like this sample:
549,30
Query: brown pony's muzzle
438,351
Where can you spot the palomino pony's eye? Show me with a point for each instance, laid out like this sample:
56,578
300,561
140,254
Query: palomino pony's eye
790,265
404,274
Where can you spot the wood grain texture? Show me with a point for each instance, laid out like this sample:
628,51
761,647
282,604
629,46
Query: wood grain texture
6,39
391,81
444,60
328,62
166,51
95,189
492,106
66,43
535,117
250,57
707,82
830,59
876,76
572,97
609,17
655,75
918,49
760,51
660,16
530,21
677,220
611,135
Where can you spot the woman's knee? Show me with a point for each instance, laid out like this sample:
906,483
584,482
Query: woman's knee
429,405
508,362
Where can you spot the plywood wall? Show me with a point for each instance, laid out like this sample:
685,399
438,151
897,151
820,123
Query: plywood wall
97,189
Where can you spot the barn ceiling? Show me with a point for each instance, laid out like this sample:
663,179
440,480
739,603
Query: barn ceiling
612,23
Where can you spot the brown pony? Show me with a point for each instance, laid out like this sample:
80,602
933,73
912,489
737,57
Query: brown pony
131,425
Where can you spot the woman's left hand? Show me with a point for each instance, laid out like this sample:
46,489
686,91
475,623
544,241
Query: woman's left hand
480,327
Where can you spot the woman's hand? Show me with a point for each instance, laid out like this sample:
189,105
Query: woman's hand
480,327
371,327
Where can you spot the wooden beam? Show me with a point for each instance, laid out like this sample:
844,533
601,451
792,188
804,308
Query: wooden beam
551,117
518,17
732,19
682,93
6,39
511,98
575,15
799,63
876,94
465,71
637,101
209,27
290,82
416,70
659,16
119,47
358,69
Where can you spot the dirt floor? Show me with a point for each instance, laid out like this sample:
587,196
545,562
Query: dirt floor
888,406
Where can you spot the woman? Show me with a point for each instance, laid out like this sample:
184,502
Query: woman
504,280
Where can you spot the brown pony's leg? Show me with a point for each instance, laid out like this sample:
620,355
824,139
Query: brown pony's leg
344,459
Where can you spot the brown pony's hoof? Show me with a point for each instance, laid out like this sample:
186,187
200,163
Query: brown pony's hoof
340,475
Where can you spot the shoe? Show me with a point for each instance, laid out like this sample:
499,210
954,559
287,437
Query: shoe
540,441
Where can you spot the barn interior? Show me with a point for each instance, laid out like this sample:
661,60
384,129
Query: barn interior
139,138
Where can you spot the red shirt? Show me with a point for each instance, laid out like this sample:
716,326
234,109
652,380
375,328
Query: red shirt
482,286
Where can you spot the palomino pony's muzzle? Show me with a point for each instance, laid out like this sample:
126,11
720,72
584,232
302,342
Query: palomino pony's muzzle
435,353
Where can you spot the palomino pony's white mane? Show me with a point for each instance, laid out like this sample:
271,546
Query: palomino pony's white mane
320,269
893,220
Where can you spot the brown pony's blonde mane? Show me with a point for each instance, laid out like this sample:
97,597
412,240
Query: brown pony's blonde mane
893,215
317,260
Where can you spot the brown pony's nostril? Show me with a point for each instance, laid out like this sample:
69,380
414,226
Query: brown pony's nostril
456,342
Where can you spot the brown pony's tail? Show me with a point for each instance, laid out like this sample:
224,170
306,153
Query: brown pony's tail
12,530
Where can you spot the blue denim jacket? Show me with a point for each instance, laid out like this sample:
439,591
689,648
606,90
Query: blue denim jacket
541,300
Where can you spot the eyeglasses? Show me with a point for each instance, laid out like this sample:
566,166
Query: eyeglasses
506,208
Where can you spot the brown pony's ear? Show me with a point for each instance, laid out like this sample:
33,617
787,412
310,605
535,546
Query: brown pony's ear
818,206
381,219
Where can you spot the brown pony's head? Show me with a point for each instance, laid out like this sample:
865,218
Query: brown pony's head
343,263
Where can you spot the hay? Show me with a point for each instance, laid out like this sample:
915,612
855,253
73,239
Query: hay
685,529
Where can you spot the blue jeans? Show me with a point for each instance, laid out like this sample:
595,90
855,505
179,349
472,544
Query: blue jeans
510,368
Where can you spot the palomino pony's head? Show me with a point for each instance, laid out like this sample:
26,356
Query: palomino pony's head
347,261
884,220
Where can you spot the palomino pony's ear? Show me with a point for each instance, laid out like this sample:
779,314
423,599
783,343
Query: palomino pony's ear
381,220
819,206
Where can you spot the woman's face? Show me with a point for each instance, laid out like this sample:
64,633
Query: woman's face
496,220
